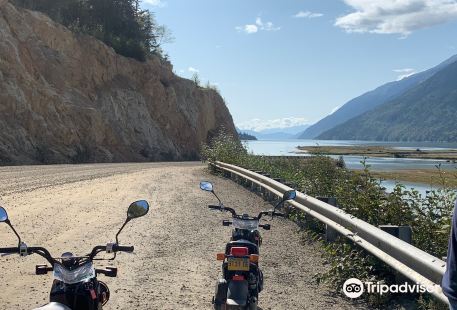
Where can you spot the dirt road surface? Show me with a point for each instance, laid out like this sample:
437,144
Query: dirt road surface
72,208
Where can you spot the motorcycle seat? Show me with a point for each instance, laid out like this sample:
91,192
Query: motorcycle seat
54,306
253,248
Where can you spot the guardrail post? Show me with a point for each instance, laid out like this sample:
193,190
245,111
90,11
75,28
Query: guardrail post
401,232
256,187
265,194
274,197
404,233
330,234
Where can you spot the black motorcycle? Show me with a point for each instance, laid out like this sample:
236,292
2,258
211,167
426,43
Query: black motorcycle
242,279
76,286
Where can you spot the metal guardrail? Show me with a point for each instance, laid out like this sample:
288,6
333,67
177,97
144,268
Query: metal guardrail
415,264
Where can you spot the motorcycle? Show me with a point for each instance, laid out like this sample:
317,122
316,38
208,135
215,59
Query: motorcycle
242,278
75,285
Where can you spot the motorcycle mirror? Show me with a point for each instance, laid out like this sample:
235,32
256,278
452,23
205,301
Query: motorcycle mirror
266,226
3,215
4,219
137,209
289,195
206,186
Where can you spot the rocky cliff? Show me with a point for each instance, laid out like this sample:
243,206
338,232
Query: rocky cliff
68,98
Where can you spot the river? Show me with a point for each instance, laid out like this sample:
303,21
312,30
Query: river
289,148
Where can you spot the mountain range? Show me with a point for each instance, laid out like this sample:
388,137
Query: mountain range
276,133
370,101
427,112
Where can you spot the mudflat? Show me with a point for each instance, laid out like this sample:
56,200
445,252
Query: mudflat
74,207
381,151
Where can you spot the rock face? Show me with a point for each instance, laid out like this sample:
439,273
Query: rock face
67,98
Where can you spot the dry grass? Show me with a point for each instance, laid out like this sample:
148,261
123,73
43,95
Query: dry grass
380,151
426,176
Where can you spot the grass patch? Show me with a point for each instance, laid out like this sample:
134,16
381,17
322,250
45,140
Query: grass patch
380,151
433,177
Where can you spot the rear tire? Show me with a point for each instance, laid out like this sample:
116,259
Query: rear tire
252,306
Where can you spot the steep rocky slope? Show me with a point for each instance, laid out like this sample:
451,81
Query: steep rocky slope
69,98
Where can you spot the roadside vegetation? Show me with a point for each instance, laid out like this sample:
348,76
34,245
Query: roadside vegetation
359,194
121,24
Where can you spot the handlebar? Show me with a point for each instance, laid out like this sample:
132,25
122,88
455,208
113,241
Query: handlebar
127,249
45,253
9,250
222,208
32,250
234,215
115,248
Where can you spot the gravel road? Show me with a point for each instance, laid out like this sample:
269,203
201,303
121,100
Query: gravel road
74,207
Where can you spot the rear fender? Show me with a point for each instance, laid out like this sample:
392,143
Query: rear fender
237,293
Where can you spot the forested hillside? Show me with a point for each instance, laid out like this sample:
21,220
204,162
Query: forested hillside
121,24
371,100
427,112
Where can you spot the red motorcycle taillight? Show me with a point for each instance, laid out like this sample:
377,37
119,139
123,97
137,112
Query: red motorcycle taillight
238,278
239,251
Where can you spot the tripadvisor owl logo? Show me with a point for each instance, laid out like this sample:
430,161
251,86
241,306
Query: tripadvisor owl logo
353,288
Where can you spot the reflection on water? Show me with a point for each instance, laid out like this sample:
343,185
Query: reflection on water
421,188
289,148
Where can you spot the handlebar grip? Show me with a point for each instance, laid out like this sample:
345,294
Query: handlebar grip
279,214
9,250
214,207
128,249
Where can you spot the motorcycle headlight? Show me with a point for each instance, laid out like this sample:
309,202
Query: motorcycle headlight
81,274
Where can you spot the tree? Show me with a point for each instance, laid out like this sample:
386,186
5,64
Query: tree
196,79
121,24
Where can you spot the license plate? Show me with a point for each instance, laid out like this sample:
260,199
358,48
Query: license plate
238,264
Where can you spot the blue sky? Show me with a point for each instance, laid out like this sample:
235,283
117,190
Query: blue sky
294,61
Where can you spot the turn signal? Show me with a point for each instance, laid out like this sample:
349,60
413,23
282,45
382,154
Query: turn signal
220,256
254,258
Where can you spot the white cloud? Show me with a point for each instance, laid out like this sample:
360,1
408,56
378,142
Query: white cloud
396,16
258,26
193,70
307,14
259,125
404,73
249,29
158,3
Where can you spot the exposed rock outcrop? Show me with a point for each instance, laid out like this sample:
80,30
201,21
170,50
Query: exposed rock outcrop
66,98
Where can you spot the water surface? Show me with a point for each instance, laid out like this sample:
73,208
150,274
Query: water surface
289,148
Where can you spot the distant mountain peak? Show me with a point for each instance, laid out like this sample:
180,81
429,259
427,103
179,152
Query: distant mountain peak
372,99
426,112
